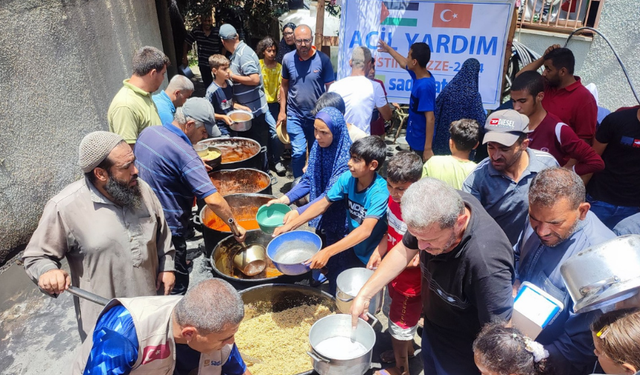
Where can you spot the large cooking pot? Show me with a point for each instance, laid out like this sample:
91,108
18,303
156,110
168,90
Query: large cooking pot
604,274
222,263
237,152
241,181
336,350
278,297
348,285
244,208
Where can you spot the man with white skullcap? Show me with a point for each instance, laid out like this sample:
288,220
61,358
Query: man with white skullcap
111,228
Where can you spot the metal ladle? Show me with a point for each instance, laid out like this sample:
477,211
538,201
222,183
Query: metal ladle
251,260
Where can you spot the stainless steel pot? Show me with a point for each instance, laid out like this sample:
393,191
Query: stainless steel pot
241,120
348,286
604,274
339,326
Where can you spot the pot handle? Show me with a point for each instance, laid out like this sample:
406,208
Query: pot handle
196,220
317,357
372,319
599,286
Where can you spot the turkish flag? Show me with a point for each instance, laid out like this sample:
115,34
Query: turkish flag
452,15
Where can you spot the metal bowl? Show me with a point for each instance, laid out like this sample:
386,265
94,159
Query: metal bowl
289,251
241,120
603,274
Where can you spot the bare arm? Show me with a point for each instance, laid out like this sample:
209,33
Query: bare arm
535,65
384,47
431,121
393,263
313,211
220,207
356,236
385,112
250,80
284,90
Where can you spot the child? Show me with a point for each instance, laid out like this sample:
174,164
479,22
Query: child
503,350
272,76
220,94
453,169
616,336
366,196
423,96
404,169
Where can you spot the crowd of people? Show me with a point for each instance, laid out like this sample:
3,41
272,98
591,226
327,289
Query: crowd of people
451,240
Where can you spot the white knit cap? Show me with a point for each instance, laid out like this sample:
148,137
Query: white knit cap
95,147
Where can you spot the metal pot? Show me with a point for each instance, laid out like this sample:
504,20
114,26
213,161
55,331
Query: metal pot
222,263
243,207
241,181
339,326
241,120
604,274
348,285
237,152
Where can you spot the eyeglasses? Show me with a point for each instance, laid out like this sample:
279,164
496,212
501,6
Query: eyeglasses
303,41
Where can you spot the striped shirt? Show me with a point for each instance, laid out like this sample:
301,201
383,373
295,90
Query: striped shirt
168,163
245,62
207,45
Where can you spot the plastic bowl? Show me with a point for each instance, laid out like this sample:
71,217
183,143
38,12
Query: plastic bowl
290,250
271,217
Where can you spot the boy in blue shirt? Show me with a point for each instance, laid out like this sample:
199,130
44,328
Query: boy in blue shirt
423,96
366,195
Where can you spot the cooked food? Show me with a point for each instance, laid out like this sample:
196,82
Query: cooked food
280,340
240,116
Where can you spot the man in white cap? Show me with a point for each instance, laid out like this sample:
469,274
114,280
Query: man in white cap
169,164
361,95
501,181
111,228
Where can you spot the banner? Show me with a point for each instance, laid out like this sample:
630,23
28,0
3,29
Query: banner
454,30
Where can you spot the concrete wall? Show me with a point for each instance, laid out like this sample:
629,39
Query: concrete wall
595,61
61,62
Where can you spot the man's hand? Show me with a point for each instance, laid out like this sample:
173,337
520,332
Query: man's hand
359,308
551,48
243,233
319,260
282,119
383,46
226,119
374,260
242,107
168,279
415,262
54,281
426,154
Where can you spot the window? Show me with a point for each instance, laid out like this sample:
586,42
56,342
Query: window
559,15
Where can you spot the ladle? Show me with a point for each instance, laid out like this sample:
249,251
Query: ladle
251,260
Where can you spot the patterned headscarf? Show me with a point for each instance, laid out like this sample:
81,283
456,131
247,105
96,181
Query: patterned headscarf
459,99
327,164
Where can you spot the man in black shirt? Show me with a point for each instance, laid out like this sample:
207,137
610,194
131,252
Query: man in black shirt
206,37
613,192
467,272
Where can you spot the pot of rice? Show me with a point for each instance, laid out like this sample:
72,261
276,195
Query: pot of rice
274,335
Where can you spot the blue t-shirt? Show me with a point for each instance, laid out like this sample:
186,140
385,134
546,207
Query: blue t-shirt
166,109
307,80
368,203
115,349
168,163
222,100
423,99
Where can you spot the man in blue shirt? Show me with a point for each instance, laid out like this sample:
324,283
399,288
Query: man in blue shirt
179,89
501,181
306,74
423,96
366,195
169,164
559,226
167,335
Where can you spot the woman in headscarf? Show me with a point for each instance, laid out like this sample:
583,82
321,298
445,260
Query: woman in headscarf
459,99
287,43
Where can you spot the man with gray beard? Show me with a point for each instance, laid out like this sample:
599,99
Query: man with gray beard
111,228
559,226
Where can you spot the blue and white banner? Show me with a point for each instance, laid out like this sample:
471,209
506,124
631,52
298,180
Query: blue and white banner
455,31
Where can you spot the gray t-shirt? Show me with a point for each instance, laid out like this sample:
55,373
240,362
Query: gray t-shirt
245,62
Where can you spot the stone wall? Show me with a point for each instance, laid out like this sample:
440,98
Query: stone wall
61,62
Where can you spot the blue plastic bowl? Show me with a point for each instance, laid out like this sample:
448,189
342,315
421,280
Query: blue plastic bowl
290,250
